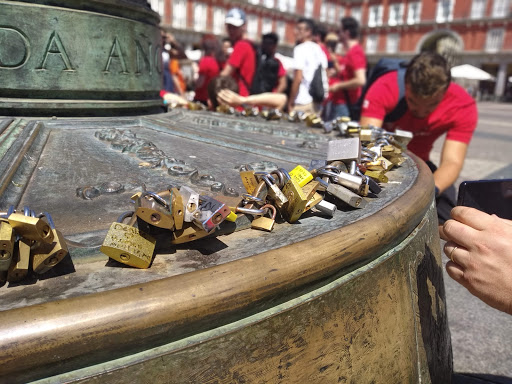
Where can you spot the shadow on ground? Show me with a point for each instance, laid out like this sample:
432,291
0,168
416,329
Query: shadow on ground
475,378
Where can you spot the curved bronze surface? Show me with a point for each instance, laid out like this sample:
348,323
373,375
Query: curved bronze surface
77,332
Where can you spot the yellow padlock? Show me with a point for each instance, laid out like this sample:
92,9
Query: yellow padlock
152,211
31,228
189,232
6,244
301,175
47,256
19,266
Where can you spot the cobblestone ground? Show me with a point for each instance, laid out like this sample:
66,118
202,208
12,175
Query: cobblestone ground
481,336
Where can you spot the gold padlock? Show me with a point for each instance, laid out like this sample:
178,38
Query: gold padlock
265,223
377,176
297,201
128,244
47,256
314,200
19,267
177,208
6,244
154,212
189,232
249,181
31,228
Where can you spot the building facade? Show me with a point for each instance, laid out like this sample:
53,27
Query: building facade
476,32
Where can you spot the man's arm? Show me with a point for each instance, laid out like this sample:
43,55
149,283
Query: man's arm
281,85
452,160
359,80
228,70
267,99
364,121
297,78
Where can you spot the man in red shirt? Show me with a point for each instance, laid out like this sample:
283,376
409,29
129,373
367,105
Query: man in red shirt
353,78
241,64
435,106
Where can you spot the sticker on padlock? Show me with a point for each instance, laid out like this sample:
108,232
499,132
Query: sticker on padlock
45,256
301,175
31,228
190,200
19,266
154,210
128,245
189,232
6,244
211,213
265,223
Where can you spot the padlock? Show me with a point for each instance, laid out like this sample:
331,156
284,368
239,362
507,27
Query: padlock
154,210
380,164
211,213
345,195
265,223
402,137
343,124
190,200
297,201
6,244
354,182
310,189
367,135
18,269
128,244
326,208
378,176
274,114
249,180
177,208
314,201
344,149
353,128
46,256
31,228
301,175
224,108
189,232
274,192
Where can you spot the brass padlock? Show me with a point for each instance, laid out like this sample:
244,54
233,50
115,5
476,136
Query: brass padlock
128,244
273,190
31,228
297,201
249,180
177,208
46,256
189,232
154,210
377,175
19,266
6,244
265,223
314,200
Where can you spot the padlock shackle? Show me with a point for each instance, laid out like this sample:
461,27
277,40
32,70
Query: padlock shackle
159,199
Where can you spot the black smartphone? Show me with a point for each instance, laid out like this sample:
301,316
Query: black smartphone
490,196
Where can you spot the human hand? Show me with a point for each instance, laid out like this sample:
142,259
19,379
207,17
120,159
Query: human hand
480,248
226,96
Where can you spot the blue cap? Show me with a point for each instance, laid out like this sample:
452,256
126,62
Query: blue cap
236,17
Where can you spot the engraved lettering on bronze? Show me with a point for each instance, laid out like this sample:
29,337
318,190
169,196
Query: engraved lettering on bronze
55,47
116,53
147,58
15,50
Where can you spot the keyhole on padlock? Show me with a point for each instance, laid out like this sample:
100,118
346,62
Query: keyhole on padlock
4,255
46,231
124,257
52,261
191,207
155,217
217,218
358,202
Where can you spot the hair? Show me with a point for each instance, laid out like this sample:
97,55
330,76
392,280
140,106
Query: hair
351,25
427,74
219,83
320,30
309,23
271,37
212,47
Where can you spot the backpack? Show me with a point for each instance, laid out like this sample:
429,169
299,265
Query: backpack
382,67
316,87
265,75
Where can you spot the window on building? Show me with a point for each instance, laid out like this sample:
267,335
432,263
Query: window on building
371,43
266,25
179,14
323,12
199,17
494,41
444,11
158,6
252,26
269,3
291,6
414,13
478,9
281,31
331,13
500,8
396,14
356,13
308,8
375,15
257,2
219,14
341,12
282,5
392,43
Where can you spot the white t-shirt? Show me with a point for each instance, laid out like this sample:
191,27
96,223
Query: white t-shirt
307,57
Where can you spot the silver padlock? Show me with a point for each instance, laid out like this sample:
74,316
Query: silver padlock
325,207
273,190
190,203
211,213
344,149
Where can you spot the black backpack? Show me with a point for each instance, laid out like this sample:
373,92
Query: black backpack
265,74
316,87
382,67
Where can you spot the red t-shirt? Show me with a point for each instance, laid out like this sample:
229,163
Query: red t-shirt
280,72
456,115
339,96
208,69
243,60
354,59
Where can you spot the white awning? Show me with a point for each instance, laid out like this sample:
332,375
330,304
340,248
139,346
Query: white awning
467,71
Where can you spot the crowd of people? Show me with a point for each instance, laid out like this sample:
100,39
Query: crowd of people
329,77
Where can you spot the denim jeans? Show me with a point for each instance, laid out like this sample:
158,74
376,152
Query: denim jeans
336,110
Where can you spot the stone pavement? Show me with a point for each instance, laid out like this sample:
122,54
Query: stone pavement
481,336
